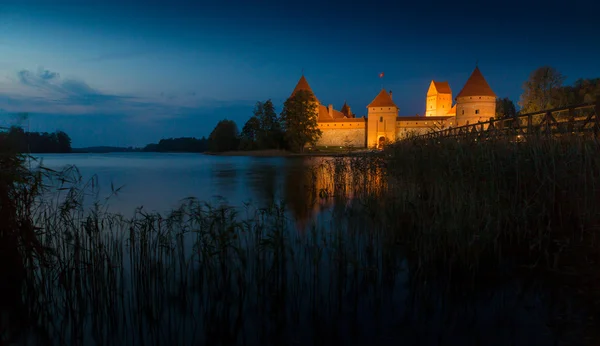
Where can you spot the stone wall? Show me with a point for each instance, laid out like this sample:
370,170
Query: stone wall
403,133
343,137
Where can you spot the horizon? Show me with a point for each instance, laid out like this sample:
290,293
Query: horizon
123,74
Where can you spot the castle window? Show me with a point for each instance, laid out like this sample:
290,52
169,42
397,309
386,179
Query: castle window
480,97
477,111
463,112
380,119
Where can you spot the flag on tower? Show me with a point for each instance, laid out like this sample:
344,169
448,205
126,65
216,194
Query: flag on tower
381,75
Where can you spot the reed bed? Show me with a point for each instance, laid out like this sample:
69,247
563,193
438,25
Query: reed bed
429,243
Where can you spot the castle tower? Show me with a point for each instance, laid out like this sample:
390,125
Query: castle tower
322,111
382,113
303,85
347,111
476,101
439,99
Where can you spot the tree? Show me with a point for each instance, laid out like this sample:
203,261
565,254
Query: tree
224,137
299,120
582,91
269,133
267,129
505,108
63,142
249,134
36,142
542,90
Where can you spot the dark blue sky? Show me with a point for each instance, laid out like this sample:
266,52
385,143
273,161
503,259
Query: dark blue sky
131,72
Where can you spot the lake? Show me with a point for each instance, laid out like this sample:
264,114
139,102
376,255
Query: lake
159,181
345,281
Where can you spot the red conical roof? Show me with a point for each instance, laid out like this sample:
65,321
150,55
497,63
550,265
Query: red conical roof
476,85
303,85
382,100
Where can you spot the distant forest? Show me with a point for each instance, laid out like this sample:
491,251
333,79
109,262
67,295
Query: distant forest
60,142
35,142
183,145
170,145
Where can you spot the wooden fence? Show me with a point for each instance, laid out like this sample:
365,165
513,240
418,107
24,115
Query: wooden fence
575,119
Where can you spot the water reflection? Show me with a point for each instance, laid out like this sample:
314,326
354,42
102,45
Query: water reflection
262,179
224,176
345,281
160,181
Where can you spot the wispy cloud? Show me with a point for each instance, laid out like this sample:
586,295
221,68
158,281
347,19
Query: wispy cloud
46,91
65,91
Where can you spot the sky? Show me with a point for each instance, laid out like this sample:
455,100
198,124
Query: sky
128,73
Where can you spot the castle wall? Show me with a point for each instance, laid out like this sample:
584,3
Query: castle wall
473,109
343,138
409,126
344,133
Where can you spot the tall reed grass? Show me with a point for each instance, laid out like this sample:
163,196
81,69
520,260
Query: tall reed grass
426,237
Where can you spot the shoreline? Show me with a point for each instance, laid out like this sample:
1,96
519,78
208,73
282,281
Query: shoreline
254,153
284,153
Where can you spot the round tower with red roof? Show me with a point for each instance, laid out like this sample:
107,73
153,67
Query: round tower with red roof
476,101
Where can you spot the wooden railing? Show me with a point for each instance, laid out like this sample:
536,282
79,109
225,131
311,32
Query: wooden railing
575,119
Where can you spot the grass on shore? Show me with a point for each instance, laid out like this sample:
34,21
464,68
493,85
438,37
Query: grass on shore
450,217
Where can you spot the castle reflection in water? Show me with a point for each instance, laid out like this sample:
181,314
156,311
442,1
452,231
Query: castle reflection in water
319,187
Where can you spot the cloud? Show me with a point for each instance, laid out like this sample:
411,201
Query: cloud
64,91
47,92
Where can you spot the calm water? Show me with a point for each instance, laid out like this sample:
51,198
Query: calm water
159,181
373,308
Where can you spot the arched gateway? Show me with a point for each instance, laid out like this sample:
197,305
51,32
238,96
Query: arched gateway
381,142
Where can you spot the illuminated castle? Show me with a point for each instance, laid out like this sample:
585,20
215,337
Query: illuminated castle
475,102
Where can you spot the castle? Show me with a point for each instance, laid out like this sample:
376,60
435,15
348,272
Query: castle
474,103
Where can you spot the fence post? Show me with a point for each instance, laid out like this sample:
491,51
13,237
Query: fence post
597,118
571,124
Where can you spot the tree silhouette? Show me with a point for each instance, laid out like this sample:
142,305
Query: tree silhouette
299,120
542,90
224,137
35,142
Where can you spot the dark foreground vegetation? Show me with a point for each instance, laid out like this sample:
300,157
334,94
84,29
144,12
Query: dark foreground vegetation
433,243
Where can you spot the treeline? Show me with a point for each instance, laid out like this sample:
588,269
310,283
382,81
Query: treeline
35,142
183,144
545,89
105,149
295,127
292,129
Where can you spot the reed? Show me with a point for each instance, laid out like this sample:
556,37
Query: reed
406,242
